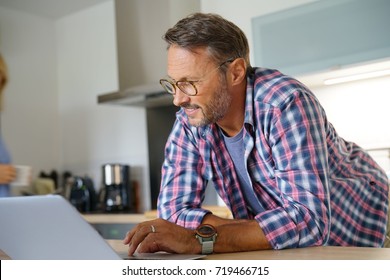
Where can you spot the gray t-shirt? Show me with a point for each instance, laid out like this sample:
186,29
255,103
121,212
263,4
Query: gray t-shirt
235,146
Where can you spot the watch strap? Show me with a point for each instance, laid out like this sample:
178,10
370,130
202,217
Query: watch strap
207,247
206,235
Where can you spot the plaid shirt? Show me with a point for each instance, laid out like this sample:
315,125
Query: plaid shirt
315,188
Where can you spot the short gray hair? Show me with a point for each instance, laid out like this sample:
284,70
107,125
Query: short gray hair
224,40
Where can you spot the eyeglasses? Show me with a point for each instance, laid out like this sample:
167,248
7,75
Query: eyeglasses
187,87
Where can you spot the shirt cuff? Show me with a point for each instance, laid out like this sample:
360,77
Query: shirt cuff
191,218
279,228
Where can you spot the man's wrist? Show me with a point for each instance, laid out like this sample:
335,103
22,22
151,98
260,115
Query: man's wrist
206,235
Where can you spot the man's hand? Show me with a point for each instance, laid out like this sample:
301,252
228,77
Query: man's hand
161,235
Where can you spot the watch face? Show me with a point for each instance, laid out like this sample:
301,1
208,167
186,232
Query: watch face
206,231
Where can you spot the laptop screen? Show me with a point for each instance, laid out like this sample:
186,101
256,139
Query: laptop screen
48,227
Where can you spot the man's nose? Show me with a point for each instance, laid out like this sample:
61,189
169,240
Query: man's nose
180,98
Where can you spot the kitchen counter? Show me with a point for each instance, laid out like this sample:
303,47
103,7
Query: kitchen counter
4,256
113,218
310,253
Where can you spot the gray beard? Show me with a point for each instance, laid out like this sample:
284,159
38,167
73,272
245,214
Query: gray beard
217,108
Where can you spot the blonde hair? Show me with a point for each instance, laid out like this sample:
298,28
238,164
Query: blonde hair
3,78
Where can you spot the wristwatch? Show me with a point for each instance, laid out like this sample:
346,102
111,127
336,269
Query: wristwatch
206,235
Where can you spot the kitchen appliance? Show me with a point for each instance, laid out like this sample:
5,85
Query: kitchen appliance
82,194
118,193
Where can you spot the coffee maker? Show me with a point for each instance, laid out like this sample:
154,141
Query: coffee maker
118,194
82,193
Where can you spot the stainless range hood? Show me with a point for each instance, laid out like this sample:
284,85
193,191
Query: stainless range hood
141,51
148,96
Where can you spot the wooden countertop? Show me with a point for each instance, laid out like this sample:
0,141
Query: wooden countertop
4,256
115,218
311,253
108,218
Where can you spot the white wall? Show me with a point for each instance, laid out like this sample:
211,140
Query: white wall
51,118
360,112
30,121
93,134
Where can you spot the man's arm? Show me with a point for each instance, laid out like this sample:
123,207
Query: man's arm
161,235
237,235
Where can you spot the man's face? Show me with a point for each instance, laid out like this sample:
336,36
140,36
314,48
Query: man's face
213,99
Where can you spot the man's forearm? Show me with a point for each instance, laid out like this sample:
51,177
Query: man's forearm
237,235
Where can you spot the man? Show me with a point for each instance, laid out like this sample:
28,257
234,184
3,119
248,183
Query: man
264,141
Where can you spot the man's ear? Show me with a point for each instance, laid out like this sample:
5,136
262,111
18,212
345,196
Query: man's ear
237,71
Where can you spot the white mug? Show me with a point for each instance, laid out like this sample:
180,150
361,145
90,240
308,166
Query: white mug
23,176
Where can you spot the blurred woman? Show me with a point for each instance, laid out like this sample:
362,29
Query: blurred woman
7,170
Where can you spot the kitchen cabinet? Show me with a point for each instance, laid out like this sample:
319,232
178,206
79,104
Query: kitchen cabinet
322,36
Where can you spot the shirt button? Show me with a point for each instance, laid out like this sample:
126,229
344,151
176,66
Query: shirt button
372,183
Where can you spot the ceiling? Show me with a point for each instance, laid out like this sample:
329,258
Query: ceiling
53,9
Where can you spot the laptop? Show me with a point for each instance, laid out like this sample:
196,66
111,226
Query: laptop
48,227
